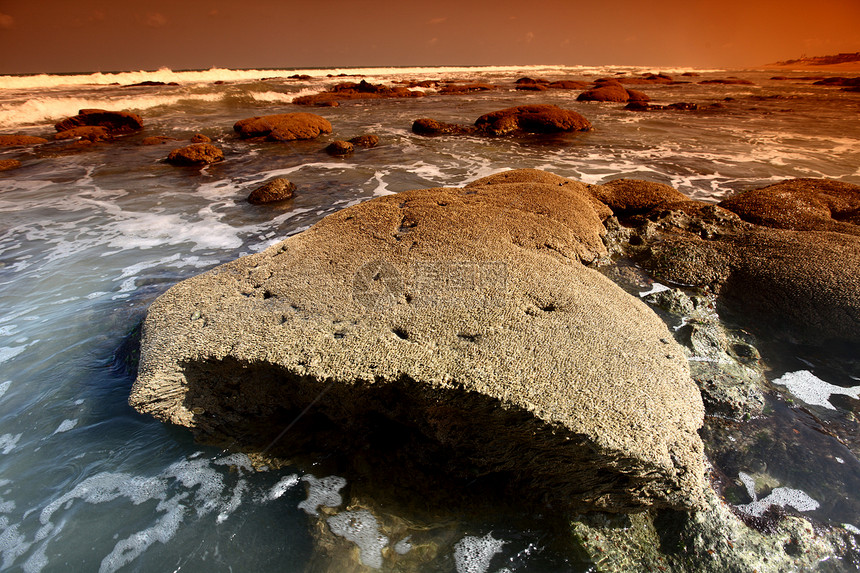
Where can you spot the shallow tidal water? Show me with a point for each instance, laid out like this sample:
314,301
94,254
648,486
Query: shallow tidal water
88,238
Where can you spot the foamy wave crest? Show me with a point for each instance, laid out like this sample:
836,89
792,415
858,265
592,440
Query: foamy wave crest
49,109
125,78
221,74
280,97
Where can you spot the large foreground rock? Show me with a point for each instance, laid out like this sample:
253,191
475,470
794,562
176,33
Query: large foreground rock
454,329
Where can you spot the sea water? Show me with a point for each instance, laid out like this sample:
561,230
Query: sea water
88,238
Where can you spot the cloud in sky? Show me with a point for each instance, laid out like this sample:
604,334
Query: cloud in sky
435,21
154,20
6,21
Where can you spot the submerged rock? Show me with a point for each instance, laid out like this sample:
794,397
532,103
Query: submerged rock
442,328
195,154
87,132
20,140
7,164
283,127
368,140
428,126
714,540
339,147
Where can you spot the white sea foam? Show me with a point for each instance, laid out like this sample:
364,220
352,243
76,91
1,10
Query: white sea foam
655,288
39,110
4,387
781,496
195,476
65,426
323,491
473,554
9,352
228,75
8,442
361,528
403,546
283,486
813,390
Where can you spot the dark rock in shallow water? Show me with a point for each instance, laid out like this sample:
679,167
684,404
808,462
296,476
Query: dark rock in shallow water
272,192
115,122
455,328
200,138
7,164
20,140
88,132
845,82
283,127
532,87
531,119
368,140
568,85
511,121
195,154
339,147
157,140
353,91
428,126
728,81
643,106
466,88
613,92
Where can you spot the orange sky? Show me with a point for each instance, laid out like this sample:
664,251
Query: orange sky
110,35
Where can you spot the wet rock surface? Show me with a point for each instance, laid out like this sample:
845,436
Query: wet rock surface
715,539
442,328
272,192
196,154
339,147
20,140
283,127
797,281
356,91
114,122
612,91
525,119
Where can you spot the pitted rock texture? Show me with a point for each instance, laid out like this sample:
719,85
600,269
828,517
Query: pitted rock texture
458,327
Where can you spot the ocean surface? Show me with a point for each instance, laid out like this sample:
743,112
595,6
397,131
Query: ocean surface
89,237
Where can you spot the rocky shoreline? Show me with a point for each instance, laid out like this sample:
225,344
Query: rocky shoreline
467,329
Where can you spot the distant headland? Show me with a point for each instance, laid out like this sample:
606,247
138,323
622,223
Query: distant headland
849,62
